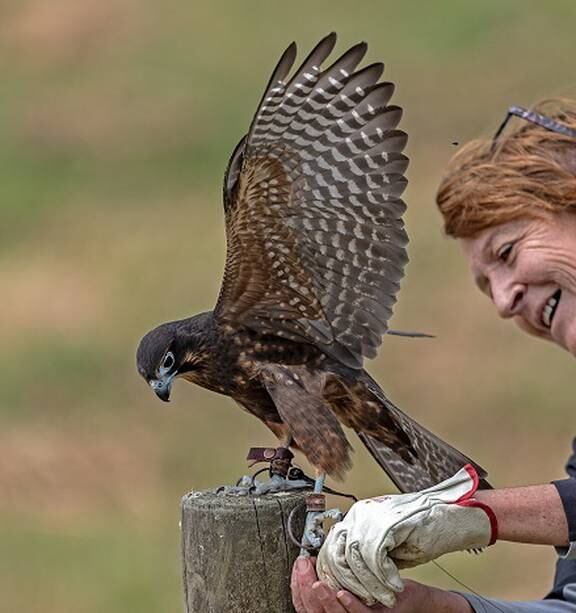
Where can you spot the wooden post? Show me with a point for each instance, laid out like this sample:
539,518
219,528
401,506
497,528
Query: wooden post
237,556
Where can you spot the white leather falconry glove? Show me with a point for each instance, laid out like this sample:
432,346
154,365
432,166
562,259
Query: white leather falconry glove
363,552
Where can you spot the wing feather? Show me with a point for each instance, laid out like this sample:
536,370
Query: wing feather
309,418
316,241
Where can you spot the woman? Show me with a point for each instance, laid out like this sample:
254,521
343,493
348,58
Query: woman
512,203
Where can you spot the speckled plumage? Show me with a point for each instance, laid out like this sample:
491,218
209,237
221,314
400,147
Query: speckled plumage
316,251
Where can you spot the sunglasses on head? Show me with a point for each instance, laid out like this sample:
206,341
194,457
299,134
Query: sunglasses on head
542,120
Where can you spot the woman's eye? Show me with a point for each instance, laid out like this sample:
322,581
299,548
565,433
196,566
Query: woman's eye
168,361
505,251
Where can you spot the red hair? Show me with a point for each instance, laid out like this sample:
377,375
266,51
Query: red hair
527,172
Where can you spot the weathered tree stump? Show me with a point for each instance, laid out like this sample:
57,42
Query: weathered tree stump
237,556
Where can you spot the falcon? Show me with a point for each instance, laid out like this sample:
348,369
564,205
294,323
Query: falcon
316,249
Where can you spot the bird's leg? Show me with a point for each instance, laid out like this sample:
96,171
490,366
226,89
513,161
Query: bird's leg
283,476
282,462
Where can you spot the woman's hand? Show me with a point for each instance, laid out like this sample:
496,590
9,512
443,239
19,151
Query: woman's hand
311,596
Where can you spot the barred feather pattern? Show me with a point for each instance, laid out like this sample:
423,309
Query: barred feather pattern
316,241
431,459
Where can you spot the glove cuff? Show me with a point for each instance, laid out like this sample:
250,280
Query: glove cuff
468,500
472,502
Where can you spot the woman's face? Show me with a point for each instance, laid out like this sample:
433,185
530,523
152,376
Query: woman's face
528,269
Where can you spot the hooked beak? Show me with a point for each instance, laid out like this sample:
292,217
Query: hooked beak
162,388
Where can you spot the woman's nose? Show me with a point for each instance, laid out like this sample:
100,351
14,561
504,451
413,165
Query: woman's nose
507,297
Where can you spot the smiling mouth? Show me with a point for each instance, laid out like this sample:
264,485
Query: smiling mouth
550,308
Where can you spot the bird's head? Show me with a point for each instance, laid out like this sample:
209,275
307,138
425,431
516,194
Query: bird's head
166,352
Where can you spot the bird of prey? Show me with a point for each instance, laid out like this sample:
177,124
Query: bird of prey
316,249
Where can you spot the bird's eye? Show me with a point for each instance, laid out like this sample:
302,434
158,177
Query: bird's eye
504,252
168,362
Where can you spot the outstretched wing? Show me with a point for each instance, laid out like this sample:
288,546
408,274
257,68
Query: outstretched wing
316,241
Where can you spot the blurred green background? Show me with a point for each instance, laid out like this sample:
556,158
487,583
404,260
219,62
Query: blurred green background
116,121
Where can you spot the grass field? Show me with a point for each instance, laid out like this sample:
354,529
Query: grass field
116,121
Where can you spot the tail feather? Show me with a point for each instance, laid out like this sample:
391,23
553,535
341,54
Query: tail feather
413,477
432,460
